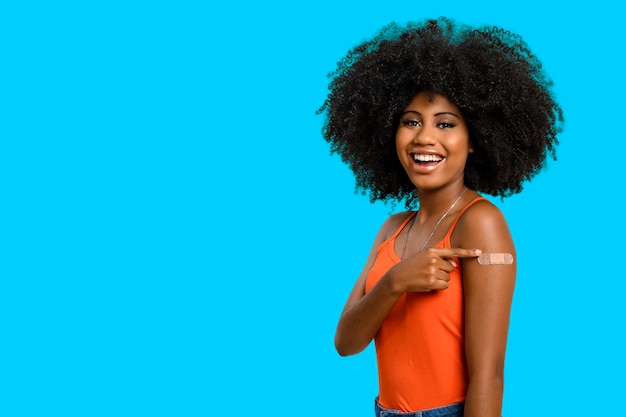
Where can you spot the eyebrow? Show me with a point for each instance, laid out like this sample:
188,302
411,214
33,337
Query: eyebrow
436,114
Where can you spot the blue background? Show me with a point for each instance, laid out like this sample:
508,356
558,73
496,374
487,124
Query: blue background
177,240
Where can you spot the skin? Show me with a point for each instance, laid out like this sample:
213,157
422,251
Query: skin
433,125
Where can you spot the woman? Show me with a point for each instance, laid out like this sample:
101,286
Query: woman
432,114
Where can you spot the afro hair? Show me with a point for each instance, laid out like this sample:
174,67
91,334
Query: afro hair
489,73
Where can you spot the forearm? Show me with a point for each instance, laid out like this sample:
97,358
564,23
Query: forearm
360,322
484,397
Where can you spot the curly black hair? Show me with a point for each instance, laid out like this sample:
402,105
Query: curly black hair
488,72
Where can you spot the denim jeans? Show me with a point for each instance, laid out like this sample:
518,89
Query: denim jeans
452,410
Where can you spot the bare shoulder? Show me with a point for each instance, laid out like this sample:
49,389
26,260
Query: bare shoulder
482,213
482,224
393,222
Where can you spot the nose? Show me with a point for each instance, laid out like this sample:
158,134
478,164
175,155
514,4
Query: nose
425,136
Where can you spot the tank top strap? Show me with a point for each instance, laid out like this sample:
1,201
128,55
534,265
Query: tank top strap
468,205
404,223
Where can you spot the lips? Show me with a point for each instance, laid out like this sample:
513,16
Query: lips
425,163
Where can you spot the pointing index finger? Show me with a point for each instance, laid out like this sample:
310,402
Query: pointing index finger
460,252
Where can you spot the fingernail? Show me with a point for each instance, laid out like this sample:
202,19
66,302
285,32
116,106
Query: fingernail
477,251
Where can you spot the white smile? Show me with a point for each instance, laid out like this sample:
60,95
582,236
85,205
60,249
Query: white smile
420,157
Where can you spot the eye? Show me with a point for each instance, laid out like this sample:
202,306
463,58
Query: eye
410,122
446,125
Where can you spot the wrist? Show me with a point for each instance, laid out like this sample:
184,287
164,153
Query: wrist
392,284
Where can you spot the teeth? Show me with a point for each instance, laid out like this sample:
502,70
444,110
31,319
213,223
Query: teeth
426,158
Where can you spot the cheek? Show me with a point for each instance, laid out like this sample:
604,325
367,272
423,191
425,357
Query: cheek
404,137
463,143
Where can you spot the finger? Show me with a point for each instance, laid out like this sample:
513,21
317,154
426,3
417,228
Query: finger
442,281
442,275
456,252
446,265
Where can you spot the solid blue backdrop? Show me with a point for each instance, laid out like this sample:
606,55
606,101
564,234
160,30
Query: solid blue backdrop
177,240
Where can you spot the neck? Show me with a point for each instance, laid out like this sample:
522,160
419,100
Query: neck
434,203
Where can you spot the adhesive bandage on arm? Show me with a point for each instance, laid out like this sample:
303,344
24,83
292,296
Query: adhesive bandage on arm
495,259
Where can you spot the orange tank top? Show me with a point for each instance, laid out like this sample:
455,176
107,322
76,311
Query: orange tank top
420,346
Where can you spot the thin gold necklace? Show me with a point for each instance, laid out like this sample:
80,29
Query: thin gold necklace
443,216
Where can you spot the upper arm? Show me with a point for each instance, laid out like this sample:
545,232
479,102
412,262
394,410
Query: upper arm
488,289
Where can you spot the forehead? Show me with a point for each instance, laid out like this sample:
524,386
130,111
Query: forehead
429,100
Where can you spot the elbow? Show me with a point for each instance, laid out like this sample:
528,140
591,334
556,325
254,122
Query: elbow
341,348
344,348
342,352
345,352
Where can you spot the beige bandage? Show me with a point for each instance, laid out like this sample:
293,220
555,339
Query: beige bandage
495,259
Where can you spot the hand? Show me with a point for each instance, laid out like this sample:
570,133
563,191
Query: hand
428,270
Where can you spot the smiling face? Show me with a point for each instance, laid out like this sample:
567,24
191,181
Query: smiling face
432,141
